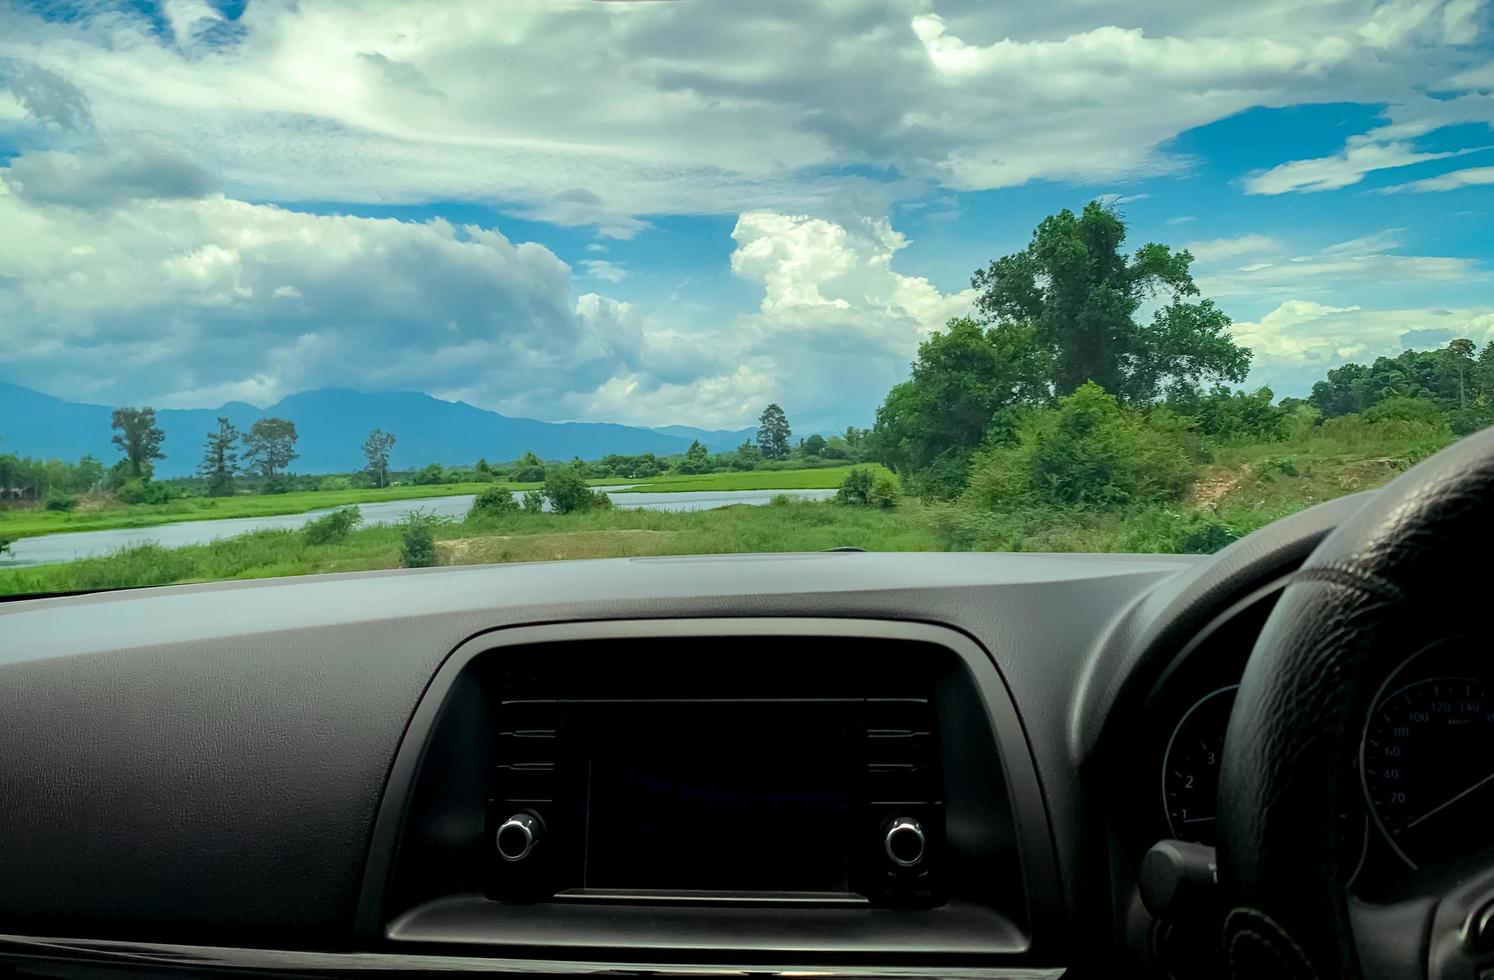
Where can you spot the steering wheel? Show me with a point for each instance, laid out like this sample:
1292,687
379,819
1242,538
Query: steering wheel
1408,569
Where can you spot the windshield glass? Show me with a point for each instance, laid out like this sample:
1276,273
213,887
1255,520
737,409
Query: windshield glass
311,287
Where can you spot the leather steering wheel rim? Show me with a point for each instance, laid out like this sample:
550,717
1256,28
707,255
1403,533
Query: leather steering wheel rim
1398,575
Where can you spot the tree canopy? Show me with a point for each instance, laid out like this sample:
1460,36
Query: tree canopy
1079,294
773,433
138,437
376,456
220,458
270,445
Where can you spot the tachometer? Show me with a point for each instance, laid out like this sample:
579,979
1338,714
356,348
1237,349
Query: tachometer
1190,768
1427,762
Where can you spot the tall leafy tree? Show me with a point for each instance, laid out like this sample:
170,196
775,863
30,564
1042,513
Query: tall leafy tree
270,446
1079,292
138,437
376,452
965,376
773,433
220,458
697,459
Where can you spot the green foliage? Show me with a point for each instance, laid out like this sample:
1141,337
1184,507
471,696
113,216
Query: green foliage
856,488
696,460
270,447
567,491
60,500
773,433
138,438
746,456
333,484
529,469
376,449
432,475
814,445
5,543
492,504
885,492
962,379
417,546
1233,416
1078,293
532,502
332,527
220,459
143,491
1089,451
1155,530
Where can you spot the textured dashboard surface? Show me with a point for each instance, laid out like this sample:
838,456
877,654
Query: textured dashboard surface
206,761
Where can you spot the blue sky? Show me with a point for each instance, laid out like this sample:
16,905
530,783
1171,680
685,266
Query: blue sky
675,213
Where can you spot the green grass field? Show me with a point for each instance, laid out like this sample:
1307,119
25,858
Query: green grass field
21,523
797,526
29,522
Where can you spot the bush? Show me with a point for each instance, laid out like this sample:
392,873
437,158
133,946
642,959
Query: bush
5,543
57,500
567,492
432,475
140,490
532,502
1160,531
417,547
332,527
885,493
334,483
1089,451
492,503
856,489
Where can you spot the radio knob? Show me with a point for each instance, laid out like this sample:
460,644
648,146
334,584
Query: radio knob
905,842
518,835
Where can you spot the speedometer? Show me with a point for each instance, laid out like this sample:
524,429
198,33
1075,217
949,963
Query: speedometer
1190,769
1427,762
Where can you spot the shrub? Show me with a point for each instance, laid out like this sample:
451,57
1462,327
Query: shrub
334,483
140,490
57,500
417,547
856,488
1089,451
885,493
5,543
532,502
332,527
1160,531
600,501
492,503
781,500
567,492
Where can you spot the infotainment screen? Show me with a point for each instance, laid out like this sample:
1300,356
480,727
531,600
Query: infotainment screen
721,796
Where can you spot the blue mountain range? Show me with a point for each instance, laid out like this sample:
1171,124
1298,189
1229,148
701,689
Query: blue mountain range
331,424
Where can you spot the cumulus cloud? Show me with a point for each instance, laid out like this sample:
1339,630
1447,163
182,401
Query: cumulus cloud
376,102
1299,340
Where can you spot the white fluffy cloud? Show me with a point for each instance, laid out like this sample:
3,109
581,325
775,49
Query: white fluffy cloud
1456,180
602,114
1299,340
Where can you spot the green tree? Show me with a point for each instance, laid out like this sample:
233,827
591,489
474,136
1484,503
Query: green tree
376,456
1089,451
567,492
138,438
220,458
814,446
270,446
773,433
964,377
856,488
697,459
492,503
1079,293
529,469
746,456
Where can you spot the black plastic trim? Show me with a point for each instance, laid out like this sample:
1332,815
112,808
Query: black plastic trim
1034,840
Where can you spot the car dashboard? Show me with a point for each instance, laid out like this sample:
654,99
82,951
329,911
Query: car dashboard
837,763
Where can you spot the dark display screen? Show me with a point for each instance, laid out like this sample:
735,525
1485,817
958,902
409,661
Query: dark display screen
721,797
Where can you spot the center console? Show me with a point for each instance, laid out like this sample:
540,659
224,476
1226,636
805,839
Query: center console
720,791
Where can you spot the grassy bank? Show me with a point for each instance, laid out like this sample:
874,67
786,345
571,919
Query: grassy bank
823,478
20,523
517,537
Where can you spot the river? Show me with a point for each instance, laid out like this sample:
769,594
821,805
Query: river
51,548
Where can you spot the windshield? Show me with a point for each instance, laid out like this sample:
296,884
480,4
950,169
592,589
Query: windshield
313,287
